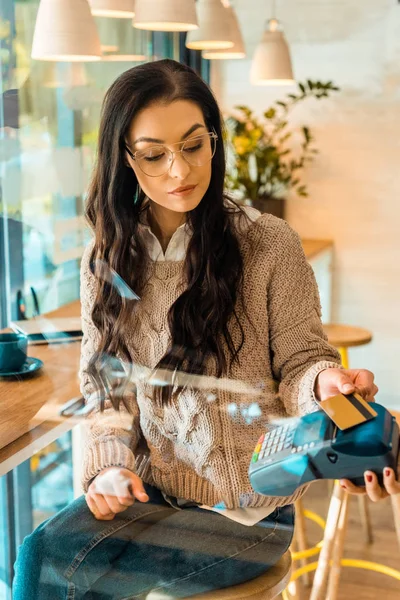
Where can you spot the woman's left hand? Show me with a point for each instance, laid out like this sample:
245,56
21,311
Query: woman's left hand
391,487
346,381
331,382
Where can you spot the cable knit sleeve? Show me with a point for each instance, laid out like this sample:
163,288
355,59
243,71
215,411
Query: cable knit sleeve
111,437
299,346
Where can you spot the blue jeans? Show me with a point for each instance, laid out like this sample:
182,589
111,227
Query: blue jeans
180,552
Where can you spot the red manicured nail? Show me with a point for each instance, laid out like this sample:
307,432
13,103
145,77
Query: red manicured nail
369,478
387,472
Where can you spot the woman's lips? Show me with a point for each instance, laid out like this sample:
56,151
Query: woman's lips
183,191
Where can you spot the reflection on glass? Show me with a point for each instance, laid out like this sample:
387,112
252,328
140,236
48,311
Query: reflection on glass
48,136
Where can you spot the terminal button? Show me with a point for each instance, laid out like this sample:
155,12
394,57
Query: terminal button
332,456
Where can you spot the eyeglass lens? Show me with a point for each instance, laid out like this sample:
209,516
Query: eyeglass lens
197,151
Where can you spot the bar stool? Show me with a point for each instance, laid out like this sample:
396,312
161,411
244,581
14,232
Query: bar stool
265,587
331,556
343,337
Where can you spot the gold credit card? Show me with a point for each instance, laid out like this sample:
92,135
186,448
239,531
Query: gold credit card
348,410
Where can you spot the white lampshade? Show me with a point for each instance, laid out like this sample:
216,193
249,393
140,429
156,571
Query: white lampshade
165,15
238,49
117,9
214,31
271,62
65,31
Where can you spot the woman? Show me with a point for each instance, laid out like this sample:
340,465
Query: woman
180,280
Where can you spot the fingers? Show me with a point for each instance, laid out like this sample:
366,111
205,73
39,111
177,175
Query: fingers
125,487
344,383
114,502
360,380
365,385
113,491
113,484
103,504
351,488
389,481
368,393
107,506
138,490
374,490
95,510
122,490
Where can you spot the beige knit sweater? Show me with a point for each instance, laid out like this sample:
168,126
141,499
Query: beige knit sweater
201,446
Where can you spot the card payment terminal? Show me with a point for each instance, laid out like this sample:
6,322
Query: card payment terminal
312,447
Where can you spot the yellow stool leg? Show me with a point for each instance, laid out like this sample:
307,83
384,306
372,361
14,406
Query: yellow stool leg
301,537
332,521
344,356
334,574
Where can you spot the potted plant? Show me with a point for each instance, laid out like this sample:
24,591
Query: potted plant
262,166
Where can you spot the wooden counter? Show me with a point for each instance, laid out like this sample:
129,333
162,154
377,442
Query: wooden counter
22,433
314,247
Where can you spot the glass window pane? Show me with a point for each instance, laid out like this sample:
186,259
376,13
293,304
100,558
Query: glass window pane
49,119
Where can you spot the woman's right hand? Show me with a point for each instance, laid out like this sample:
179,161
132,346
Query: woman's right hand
112,491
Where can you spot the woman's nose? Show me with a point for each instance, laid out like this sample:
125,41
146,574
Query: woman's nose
179,168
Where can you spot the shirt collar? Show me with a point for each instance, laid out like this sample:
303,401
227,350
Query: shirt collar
177,246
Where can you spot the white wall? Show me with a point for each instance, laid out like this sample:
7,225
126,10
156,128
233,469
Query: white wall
354,184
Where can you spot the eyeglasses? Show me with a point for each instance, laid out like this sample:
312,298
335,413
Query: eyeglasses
157,160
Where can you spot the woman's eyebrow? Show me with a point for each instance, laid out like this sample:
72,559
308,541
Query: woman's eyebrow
157,141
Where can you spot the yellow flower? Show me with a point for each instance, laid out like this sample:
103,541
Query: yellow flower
241,144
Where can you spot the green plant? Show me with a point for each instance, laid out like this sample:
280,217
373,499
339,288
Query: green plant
260,161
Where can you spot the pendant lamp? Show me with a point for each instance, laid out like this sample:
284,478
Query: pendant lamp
165,15
214,31
65,31
271,62
238,49
116,9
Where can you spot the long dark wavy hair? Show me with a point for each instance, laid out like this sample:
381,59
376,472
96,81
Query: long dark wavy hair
200,320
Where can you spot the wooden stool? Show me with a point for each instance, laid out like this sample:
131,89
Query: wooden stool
342,337
266,587
346,336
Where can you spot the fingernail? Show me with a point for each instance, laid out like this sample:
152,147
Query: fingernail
348,387
387,472
369,478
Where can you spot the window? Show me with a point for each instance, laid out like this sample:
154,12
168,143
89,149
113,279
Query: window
49,117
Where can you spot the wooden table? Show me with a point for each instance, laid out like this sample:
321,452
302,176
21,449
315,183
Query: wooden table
21,433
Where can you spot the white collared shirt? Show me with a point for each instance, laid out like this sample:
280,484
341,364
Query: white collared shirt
179,242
